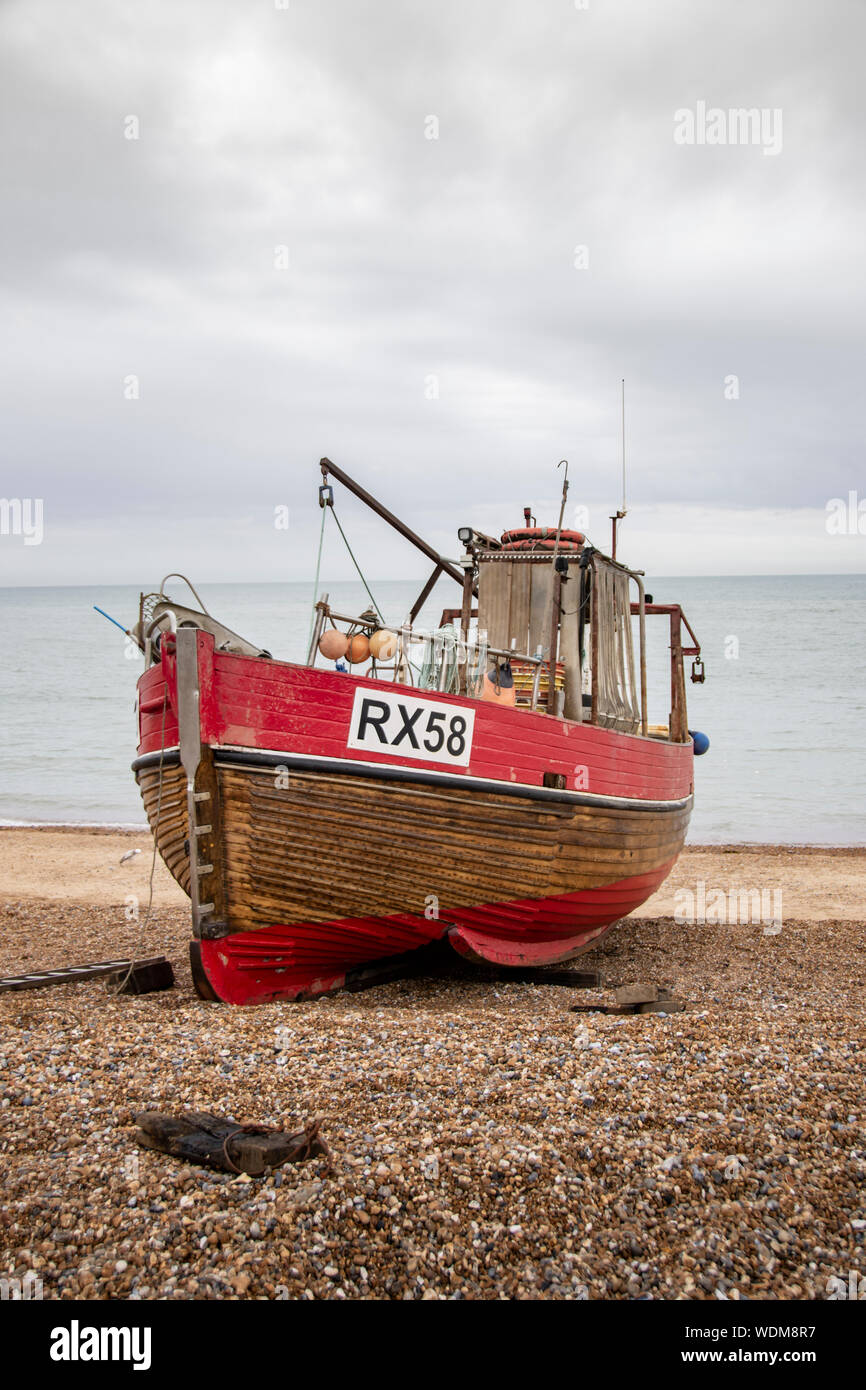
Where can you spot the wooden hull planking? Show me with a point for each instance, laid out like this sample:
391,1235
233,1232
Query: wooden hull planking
330,872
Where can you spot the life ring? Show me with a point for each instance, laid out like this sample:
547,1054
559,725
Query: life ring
541,538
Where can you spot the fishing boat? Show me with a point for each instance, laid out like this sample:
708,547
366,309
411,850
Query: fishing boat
492,783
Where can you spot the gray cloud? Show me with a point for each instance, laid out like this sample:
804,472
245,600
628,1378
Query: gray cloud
411,258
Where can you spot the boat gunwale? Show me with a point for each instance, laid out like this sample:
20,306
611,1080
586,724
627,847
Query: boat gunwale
261,758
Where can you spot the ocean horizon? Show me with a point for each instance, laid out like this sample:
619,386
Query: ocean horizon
782,703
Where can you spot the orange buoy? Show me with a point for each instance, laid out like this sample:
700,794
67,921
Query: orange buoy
383,644
333,644
358,648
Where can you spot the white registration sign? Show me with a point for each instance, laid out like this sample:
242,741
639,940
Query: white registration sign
404,726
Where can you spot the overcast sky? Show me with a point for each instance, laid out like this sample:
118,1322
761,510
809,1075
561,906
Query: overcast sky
418,265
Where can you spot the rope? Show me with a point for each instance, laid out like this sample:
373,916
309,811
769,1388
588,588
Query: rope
122,983
329,507
476,664
443,648
316,580
440,653
357,567
307,1140
243,1129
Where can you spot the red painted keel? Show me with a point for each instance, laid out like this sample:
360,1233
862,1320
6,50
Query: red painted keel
312,958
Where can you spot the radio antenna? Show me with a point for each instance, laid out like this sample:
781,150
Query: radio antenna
618,516
623,446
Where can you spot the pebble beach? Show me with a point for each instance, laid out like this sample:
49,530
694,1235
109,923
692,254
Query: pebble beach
486,1142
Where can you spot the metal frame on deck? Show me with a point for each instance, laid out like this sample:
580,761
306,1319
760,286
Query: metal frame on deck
679,732
464,573
442,566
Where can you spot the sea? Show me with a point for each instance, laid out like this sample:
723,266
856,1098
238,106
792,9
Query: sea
783,702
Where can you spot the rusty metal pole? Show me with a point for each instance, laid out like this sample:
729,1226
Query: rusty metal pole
676,730
642,632
554,640
425,594
681,678
593,636
465,620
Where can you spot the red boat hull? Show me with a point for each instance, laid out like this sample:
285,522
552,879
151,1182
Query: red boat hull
332,856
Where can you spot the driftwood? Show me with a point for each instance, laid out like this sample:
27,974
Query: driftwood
143,978
636,999
215,1142
636,994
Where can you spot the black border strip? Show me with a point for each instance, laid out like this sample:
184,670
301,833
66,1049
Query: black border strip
254,757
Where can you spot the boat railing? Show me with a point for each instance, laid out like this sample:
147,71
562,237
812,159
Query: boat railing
605,707
454,651
613,703
157,622
678,726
